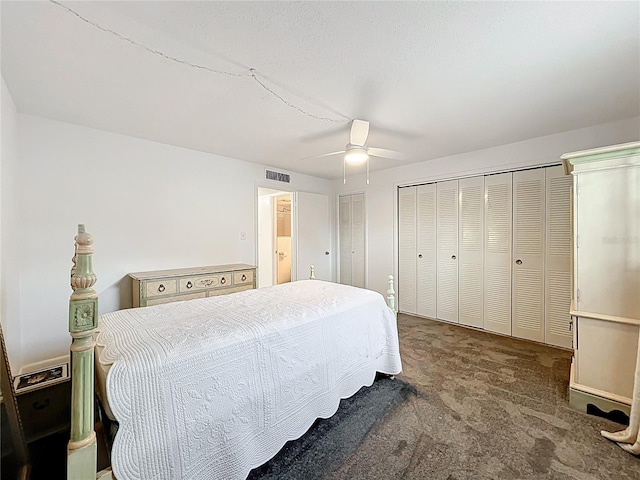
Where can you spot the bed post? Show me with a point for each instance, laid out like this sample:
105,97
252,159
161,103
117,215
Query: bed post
83,316
391,296
312,276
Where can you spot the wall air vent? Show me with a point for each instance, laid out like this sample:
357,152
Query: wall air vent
278,177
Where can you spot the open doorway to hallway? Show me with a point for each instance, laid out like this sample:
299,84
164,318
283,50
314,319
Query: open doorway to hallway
274,236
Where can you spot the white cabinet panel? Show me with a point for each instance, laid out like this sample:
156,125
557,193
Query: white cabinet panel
528,254
497,256
426,270
447,239
407,250
558,257
470,247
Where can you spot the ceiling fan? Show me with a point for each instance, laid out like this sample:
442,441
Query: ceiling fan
356,152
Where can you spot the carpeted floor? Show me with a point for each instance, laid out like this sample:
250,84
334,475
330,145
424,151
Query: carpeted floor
469,405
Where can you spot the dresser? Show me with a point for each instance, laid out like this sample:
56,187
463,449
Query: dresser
605,305
164,286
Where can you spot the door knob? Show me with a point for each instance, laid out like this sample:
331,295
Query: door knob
327,253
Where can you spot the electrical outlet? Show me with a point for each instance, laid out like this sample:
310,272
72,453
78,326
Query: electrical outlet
243,236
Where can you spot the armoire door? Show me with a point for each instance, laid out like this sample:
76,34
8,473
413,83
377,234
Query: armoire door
407,250
527,320
497,253
447,239
470,248
558,257
426,259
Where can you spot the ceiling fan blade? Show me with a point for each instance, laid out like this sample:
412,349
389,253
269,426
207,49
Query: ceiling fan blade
359,132
386,153
323,155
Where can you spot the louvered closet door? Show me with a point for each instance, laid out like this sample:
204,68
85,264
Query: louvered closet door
407,249
447,235
345,239
426,270
497,253
470,248
357,240
558,257
527,319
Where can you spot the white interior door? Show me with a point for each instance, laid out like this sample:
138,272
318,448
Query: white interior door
470,248
558,257
407,249
312,236
357,241
527,319
447,235
497,253
344,212
426,269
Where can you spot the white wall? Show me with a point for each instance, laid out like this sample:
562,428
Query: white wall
9,244
148,205
380,194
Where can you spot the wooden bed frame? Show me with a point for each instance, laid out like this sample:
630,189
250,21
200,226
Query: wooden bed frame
83,321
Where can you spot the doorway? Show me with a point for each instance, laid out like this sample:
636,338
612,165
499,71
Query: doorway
274,236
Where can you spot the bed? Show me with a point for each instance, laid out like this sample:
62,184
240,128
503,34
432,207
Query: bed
211,388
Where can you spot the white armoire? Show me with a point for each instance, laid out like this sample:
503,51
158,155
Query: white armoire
352,239
491,252
606,275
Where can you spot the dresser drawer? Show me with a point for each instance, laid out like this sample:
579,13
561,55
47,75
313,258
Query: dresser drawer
161,287
225,291
243,277
176,298
203,282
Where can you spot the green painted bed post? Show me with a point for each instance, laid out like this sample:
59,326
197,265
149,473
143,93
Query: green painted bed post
83,318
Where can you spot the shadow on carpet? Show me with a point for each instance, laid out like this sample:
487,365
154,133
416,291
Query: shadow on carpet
329,441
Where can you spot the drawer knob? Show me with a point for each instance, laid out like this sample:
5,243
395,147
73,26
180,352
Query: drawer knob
518,262
453,257
161,288
189,284
244,277
223,280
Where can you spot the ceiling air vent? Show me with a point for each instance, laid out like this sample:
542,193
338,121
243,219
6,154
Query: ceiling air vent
278,177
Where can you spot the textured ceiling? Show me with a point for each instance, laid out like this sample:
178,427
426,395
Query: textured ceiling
433,78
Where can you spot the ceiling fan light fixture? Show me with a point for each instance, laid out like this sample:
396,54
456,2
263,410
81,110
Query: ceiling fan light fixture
356,155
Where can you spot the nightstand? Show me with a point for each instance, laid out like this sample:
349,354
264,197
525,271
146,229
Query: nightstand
46,410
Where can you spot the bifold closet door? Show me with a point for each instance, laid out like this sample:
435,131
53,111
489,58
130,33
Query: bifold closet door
344,212
558,257
497,253
470,248
527,320
426,269
352,240
357,240
447,239
407,249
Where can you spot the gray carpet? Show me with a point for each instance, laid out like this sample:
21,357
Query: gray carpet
469,405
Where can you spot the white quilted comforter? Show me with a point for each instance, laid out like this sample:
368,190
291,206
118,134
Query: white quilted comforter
211,388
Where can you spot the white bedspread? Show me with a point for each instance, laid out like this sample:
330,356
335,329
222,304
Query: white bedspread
211,388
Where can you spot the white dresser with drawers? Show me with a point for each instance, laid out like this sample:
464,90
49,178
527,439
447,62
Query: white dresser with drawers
164,286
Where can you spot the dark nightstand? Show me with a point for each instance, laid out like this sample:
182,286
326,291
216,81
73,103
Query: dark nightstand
45,410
